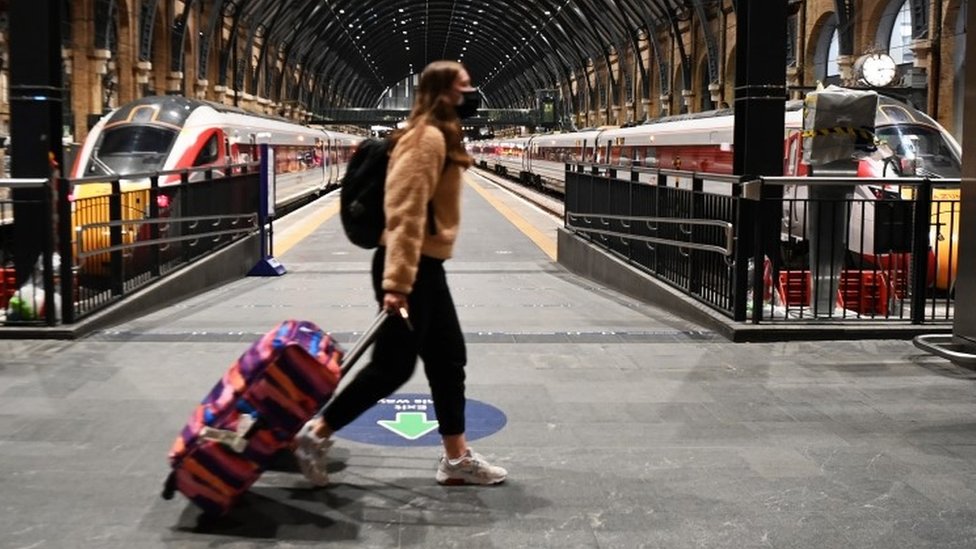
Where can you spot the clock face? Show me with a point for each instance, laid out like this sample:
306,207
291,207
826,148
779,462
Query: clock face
878,69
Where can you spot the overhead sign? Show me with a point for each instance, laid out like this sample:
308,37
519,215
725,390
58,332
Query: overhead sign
409,420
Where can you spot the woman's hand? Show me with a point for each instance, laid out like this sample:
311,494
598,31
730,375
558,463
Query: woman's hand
394,301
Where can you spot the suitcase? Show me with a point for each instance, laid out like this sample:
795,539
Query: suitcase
255,410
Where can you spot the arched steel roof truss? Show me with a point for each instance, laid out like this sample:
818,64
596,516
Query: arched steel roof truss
351,51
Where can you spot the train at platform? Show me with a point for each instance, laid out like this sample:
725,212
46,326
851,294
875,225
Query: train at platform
175,139
703,143
170,133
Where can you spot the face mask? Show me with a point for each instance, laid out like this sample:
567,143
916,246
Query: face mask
468,107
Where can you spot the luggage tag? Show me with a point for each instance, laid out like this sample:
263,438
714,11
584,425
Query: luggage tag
230,439
235,440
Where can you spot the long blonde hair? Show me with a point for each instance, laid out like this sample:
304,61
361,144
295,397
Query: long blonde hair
437,80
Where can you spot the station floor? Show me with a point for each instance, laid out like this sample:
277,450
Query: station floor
621,425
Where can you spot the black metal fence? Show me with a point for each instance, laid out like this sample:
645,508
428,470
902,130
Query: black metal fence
110,236
779,249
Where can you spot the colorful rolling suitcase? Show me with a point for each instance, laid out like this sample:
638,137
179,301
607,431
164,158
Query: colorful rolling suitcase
255,410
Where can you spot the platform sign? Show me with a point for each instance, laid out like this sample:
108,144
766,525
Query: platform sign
408,419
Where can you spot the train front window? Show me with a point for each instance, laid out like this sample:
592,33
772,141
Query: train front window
208,153
931,154
131,149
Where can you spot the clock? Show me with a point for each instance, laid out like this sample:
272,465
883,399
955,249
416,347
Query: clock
876,69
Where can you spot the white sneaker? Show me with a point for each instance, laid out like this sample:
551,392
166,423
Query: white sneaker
311,451
471,468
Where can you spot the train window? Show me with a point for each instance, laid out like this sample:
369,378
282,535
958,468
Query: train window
208,154
131,149
136,139
650,156
924,146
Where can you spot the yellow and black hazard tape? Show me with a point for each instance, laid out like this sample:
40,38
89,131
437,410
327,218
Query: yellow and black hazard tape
857,133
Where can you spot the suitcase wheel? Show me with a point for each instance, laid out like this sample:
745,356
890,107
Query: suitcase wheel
169,487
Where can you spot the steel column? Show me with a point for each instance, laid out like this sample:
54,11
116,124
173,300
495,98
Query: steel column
760,103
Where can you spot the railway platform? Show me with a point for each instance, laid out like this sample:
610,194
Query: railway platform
621,423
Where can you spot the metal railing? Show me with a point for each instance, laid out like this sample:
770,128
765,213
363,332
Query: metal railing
135,229
859,249
102,238
779,249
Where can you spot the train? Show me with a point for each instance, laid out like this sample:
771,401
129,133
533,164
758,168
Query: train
703,142
170,134
167,133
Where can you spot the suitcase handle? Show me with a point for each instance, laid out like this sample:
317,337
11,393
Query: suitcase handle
364,341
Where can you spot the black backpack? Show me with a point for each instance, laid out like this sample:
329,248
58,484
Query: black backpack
361,194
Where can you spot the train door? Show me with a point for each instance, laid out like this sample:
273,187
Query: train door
590,152
318,156
228,154
333,159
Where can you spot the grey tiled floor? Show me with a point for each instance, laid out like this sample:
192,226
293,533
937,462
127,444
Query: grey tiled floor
626,427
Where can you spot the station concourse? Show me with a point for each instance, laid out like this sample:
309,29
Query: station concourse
605,372
621,424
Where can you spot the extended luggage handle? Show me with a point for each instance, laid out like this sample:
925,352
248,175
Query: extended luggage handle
349,359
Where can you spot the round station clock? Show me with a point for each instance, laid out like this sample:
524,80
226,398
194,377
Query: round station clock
876,69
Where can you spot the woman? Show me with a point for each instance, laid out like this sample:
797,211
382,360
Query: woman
422,202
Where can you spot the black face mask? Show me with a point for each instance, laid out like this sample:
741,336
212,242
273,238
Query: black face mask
470,101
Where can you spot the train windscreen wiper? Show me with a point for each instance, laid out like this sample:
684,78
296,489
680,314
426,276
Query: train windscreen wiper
102,165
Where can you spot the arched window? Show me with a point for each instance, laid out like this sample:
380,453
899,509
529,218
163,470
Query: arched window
827,52
899,45
833,68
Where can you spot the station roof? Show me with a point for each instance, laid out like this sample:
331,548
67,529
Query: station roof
510,47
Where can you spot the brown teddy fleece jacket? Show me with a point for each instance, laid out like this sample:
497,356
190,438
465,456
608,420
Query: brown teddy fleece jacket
416,176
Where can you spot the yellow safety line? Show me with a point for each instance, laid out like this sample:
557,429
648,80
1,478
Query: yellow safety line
546,243
288,238
291,236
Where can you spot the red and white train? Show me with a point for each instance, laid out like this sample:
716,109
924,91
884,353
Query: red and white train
172,133
703,143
